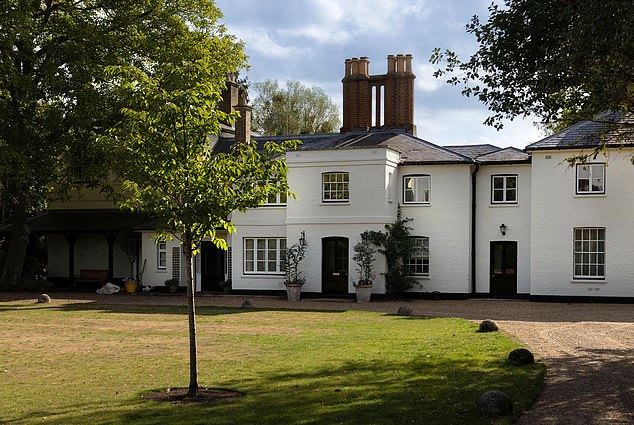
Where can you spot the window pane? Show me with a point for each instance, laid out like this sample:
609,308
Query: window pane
511,182
583,171
589,257
511,195
498,182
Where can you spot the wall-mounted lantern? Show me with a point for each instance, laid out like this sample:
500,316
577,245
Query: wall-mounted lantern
503,229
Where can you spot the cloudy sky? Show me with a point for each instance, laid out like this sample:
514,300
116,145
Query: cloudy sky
309,40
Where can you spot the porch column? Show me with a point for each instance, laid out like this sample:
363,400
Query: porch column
110,238
71,237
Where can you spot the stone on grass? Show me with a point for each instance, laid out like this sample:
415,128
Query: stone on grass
248,303
43,298
521,356
495,402
404,311
488,326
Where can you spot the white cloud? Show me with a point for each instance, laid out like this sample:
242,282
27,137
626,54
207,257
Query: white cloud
319,34
260,41
462,126
425,80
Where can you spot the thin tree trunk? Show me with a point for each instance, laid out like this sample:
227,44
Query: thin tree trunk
191,312
12,273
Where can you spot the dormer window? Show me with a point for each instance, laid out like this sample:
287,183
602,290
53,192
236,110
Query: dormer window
590,179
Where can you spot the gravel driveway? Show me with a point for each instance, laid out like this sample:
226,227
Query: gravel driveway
589,348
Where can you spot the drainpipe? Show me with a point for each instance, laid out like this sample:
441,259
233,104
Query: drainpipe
473,228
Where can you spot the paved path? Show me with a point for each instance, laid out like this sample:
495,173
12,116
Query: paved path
589,348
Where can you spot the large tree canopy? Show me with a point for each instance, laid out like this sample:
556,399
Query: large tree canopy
561,60
55,98
292,109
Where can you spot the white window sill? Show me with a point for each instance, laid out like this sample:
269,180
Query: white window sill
590,195
327,204
504,205
263,276
421,277
416,204
592,281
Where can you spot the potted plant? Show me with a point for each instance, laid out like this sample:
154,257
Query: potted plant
129,242
172,284
364,257
294,279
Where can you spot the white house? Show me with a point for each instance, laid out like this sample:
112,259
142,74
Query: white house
487,221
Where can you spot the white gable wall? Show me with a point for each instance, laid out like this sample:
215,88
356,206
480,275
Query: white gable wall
446,221
557,209
516,218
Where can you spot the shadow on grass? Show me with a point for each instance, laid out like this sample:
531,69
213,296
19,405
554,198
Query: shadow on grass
356,392
155,309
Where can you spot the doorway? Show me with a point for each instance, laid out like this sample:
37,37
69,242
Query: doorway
503,269
334,266
212,264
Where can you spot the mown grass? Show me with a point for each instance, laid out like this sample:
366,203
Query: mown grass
78,363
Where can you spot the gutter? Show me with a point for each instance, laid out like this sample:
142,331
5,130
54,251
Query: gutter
473,228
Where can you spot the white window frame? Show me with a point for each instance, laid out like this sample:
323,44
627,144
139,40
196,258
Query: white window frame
588,258
260,261
161,255
505,189
277,199
421,185
340,186
418,263
592,168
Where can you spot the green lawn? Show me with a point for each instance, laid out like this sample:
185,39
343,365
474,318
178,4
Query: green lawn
85,363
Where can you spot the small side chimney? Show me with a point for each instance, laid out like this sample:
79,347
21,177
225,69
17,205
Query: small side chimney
243,122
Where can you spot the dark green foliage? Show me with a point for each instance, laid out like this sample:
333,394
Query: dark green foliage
562,60
293,109
397,245
364,257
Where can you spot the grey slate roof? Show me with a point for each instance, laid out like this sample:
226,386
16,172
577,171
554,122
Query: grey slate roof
412,149
473,151
589,134
506,155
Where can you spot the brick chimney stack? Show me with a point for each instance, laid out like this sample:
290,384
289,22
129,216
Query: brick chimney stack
393,95
243,122
229,95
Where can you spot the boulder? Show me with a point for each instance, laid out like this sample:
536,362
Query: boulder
521,356
248,303
488,326
404,311
496,403
43,298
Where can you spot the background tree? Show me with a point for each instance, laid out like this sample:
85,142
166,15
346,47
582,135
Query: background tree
169,170
561,60
55,99
292,109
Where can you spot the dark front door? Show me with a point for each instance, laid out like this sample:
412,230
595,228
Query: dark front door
212,262
334,266
503,268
